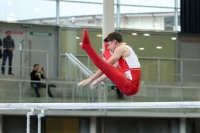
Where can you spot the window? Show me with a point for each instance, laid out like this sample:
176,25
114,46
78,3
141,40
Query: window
158,3
35,11
146,18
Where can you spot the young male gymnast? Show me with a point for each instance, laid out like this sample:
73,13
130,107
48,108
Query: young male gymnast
95,83
106,56
127,80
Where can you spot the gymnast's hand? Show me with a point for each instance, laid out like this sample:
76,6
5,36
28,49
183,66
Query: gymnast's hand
94,84
85,82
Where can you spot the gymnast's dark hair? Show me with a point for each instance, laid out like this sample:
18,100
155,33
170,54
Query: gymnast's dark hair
113,36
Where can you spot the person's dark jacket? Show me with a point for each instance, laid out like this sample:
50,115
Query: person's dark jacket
0,43
8,42
0,49
36,77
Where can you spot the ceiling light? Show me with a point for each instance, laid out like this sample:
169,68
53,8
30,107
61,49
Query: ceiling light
173,38
141,48
159,47
99,35
77,37
137,26
80,43
134,34
146,34
73,17
157,27
10,19
124,43
9,3
36,9
10,14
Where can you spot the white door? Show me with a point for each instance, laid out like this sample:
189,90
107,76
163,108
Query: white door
43,39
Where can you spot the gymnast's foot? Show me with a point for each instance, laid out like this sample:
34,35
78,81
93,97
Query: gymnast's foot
85,41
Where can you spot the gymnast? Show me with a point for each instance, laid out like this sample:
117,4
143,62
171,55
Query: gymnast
128,78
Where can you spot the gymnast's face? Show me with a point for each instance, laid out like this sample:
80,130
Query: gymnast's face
112,45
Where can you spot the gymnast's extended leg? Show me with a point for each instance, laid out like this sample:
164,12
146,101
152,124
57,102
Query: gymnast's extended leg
117,77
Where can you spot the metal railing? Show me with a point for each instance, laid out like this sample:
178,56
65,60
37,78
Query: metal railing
175,93
70,58
157,93
81,69
86,106
179,84
24,65
161,69
85,94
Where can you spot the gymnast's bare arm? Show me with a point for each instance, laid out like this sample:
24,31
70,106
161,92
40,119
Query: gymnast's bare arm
89,80
119,51
96,82
103,77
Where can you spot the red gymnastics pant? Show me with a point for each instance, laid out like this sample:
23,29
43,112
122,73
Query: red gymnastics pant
125,85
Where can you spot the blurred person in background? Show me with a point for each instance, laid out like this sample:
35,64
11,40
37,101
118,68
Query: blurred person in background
36,74
8,47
